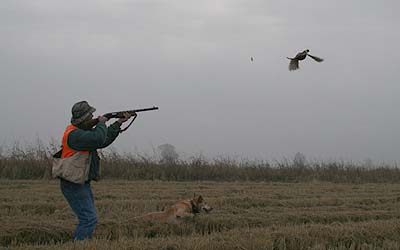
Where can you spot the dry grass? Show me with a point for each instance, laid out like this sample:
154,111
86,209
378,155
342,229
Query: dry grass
34,162
247,215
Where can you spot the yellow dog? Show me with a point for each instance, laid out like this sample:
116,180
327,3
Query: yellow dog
183,209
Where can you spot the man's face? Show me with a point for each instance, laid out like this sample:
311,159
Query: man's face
88,123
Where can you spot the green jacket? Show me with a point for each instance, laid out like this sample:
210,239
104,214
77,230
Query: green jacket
90,140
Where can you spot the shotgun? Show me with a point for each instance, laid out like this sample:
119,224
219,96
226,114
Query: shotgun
120,114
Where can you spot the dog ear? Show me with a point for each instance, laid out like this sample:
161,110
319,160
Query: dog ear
200,199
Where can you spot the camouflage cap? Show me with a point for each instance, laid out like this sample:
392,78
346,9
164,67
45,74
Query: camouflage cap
80,111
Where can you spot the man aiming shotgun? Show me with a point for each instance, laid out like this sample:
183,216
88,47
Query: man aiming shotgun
77,163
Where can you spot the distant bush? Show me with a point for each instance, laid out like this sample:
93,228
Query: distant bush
34,162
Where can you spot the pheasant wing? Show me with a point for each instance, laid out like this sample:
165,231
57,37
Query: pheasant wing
316,58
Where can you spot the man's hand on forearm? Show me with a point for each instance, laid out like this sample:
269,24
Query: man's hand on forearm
127,116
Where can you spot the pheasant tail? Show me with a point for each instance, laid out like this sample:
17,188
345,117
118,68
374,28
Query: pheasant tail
294,64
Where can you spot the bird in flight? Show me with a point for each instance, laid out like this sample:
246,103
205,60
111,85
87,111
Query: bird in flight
294,62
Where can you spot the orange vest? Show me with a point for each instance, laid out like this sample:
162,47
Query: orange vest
67,151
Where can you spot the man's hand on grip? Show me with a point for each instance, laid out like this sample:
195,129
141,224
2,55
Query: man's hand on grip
102,118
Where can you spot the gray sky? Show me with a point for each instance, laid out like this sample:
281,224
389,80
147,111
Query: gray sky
192,59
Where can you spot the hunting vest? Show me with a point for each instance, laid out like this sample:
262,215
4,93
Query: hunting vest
69,164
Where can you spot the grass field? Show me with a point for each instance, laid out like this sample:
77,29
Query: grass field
247,215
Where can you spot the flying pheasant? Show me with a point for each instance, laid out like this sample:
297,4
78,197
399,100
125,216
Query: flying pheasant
294,62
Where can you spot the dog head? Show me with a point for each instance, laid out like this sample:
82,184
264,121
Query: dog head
199,205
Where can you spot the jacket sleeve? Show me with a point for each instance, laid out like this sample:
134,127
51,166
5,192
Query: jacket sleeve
112,134
90,140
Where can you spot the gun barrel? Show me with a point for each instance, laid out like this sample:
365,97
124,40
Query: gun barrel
120,114
145,109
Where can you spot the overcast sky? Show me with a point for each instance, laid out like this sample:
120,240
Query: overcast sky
192,59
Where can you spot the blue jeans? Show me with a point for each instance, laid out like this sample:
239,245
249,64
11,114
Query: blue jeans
80,199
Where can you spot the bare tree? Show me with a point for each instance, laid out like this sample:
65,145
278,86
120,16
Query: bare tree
299,160
168,153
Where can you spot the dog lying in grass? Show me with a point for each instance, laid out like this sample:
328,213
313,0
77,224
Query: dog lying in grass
183,209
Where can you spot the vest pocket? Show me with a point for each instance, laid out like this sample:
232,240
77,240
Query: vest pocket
74,168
